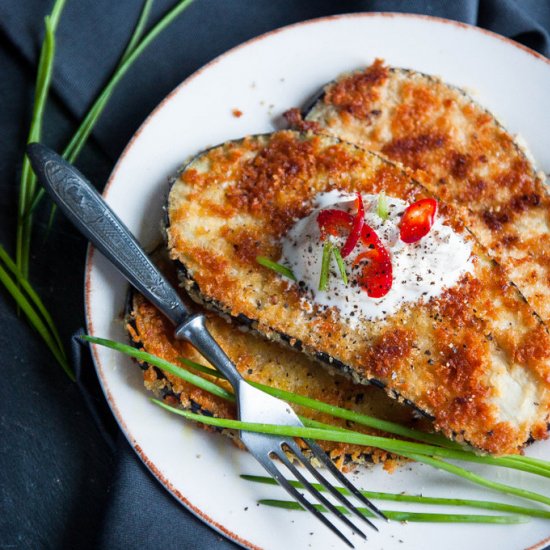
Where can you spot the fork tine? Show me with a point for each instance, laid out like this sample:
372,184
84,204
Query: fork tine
280,479
327,485
315,492
322,456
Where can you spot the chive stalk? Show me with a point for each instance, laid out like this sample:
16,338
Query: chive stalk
433,448
403,448
274,266
145,357
133,51
394,515
340,264
418,499
325,266
28,179
29,196
35,301
382,206
35,320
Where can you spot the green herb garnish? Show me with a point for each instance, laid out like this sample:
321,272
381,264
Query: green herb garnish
325,266
135,48
274,266
394,515
27,184
427,454
436,445
340,263
382,206
31,305
419,499
18,284
402,448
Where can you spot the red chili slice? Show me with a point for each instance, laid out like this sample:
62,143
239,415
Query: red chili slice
338,223
377,275
417,220
334,222
357,226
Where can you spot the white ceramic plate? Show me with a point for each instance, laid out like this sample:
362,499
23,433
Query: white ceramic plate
263,78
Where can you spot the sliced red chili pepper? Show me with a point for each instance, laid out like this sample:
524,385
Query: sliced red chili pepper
376,276
417,220
334,222
338,223
357,226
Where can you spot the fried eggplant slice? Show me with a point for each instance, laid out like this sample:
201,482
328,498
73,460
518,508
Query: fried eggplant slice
476,358
268,363
461,153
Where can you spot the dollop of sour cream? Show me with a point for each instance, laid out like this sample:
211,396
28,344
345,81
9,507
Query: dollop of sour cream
420,270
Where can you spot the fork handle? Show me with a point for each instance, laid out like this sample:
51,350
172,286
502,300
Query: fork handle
93,217
194,330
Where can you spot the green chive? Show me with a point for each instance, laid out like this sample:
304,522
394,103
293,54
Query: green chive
29,197
325,266
201,368
79,139
340,262
394,515
35,321
382,206
414,451
418,499
161,364
35,299
403,448
28,179
449,449
339,412
274,266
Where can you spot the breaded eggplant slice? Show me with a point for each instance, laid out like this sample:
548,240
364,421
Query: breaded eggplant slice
268,363
467,158
476,358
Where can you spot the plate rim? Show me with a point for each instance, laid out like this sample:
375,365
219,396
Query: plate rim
91,250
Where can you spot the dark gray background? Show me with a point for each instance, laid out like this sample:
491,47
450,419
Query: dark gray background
64,483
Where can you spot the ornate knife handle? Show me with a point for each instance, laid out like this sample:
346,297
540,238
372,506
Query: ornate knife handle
85,207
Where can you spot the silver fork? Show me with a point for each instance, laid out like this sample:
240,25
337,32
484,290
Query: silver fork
83,205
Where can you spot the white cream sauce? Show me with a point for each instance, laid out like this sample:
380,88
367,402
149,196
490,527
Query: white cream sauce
420,270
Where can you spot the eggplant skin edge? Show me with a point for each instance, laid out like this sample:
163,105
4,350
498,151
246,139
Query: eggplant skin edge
320,94
193,290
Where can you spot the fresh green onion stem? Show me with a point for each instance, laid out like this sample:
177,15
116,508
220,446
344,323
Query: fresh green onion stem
419,499
33,296
133,51
28,179
479,480
464,455
35,320
430,449
145,357
395,515
403,448
274,266
201,368
340,263
382,206
29,196
414,451
325,266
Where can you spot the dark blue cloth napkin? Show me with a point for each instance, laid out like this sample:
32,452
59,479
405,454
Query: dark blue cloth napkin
115,502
